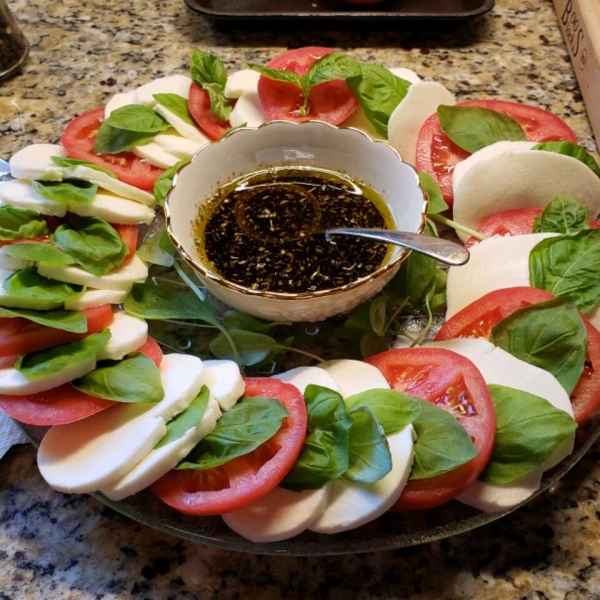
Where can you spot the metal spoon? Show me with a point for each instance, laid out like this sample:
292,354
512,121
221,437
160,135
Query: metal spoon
443,250
4,168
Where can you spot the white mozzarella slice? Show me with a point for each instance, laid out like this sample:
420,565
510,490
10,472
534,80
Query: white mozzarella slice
507,175
93,298
406,74
161,460
279,515
13,264
239,82
98,451
496,263
34,162
225,382
14,383
22,195
119,279
172,84
153,154
421,101
247,111
127,334
358,120
114,209
304,376
119,101
178,146
354,376
185,129
351,505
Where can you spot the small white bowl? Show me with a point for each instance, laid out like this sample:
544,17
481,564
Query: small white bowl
285,143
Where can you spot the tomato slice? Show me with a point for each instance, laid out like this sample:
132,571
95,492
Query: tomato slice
242,480
438,155
129,236
64,404
331,101
478,319
207,121
453,383
78,139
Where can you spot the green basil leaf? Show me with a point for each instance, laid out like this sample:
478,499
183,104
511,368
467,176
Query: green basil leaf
136,378
47,294
71,190
325,454
563,215
378,314
39,252
437,204
151,251
190,417
393,411
111,140
241,430
208,72
379,92
528,429
279,75
44,363
549,335
137,118
164,183
414,278
368,451
438,298
252,347
66,320
59,161
330,67
473,127
20,223
442,443
572,150
430,228
234,319
569,267
371,343
177,105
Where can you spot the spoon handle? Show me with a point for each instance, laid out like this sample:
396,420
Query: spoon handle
443,250
4,168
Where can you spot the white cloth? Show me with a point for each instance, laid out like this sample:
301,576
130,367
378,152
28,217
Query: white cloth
10,434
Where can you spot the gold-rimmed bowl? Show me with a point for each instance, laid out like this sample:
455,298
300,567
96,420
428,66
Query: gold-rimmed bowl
278,143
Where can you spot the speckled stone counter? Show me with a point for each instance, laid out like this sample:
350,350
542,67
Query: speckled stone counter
59,547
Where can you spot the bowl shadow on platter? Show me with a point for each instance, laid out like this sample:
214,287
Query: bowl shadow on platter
391,531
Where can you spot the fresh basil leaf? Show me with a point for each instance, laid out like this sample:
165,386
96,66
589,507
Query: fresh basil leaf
111,140
65,320
164,183
473,127
569,267
234,319
44,363
371,343
437,204
379,92
177,105
430,228
325,454
330,67
414,278
563,215
378,314
137,118
208,72
438,297
528,429
549,335
47,293
241,430
151,251
572,150
252,347
393,411
368,451
59,161
20,223
39,252
71,190
190,417
136,378
280,75
442,443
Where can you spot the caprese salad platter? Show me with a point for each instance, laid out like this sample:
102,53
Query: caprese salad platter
446,401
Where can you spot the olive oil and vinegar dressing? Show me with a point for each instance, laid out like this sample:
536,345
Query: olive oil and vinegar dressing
265,230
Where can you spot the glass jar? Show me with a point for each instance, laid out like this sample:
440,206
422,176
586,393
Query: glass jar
14,47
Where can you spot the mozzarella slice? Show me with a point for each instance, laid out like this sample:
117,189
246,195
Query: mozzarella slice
178,146
279,515
239,82
22,195
508,175
225,382
188,131
406,74
420,102
496,263
351,505
172,84
33,162
119,101
119,279
304,376
354,376
127,334
98,451
114,209
153,154
247,111
93,298
13,264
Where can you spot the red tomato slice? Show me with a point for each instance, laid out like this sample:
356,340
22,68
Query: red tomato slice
242,480
64,404
478,319
438,155
331,101
79,138
207,121
453,383
20,336
129,236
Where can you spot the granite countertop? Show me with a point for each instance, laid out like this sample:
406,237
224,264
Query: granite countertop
71,547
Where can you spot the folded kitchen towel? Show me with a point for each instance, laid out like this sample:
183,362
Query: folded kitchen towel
10,434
